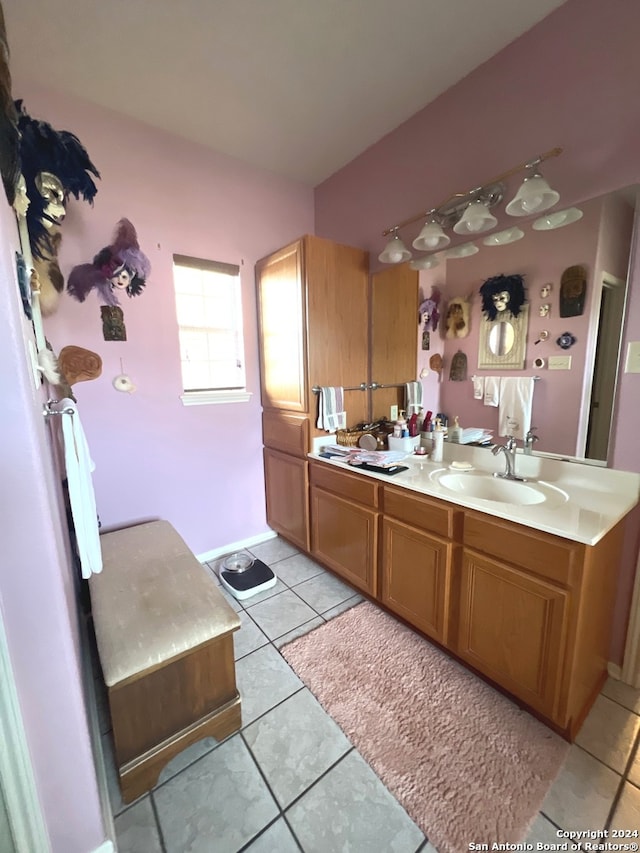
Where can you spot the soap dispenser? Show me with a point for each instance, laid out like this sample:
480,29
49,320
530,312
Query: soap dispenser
455,432
438,442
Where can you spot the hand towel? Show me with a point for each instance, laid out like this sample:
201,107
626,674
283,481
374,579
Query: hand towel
491,390
412,397
331,414
79,466
516,398
478,387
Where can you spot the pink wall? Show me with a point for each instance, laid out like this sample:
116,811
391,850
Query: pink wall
37,590
199,467
570,81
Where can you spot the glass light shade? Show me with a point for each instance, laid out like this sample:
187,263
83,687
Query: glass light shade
534,196
426,263
476,218
431,237
462,251
394,252
557,219
501,238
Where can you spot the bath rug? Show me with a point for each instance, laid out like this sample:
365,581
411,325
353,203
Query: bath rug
465,762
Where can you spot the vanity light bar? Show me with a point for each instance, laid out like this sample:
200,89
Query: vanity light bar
459,198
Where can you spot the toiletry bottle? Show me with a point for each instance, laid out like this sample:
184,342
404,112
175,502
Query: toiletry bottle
404,429
438,442
455,432
413,425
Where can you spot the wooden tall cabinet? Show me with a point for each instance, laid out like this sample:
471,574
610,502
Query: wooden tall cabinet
322,322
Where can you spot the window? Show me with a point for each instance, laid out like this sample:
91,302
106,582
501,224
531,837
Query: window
209,309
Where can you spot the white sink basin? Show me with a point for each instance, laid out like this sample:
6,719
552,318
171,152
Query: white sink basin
483,486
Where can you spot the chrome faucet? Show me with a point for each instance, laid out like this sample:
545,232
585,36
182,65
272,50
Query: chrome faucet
509,450
529,440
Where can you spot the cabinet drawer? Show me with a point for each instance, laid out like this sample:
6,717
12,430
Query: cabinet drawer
289,433
432,515
547,556
352,486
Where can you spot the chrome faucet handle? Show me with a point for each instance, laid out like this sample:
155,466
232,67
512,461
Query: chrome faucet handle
511,443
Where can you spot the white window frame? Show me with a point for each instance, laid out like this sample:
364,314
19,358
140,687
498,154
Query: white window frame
203,396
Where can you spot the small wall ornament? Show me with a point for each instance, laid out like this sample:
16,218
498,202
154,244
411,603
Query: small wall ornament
566,340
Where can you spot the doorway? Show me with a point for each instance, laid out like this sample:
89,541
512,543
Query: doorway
605,370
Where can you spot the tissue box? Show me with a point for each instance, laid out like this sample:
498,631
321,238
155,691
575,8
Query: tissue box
408,444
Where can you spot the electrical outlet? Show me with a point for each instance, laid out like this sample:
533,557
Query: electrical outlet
393,413
632,363
560,362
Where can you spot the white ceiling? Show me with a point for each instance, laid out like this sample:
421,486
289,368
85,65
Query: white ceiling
299,87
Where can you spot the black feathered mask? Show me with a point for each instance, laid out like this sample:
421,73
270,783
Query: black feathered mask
55,165
502,294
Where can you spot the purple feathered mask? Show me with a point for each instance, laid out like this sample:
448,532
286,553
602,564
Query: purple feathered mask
428,311
120,266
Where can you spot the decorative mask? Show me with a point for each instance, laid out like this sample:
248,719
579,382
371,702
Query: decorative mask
457,320
55,165
122,266
502,294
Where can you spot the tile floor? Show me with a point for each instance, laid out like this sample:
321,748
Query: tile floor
291,781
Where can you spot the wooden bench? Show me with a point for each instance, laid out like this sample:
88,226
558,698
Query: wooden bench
164,633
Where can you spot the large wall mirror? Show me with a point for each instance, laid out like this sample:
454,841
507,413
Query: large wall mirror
573,404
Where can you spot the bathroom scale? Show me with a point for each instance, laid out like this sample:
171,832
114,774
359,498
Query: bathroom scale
251,581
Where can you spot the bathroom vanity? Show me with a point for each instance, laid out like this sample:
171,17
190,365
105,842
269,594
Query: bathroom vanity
520,591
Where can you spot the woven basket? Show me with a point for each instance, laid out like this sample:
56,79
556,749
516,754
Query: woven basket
349,437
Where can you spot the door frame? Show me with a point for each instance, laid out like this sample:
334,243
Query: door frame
16,771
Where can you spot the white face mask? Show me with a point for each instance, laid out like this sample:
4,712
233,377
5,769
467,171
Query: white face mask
121,279
51,190
501,300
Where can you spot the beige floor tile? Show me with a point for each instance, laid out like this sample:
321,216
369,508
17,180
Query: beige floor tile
609,733
542,832
627,813
634,772
622,693
582,794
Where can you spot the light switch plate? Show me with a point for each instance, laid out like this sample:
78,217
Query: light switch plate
559,362
632,363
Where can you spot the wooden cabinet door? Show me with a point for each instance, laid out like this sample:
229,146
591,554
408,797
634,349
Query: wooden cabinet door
513,628
344,536
338,321
286,486
394,335
281,298
416,576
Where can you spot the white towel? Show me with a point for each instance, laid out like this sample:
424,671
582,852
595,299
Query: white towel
412,397
516,398
478,387
79,466
331,414
491,390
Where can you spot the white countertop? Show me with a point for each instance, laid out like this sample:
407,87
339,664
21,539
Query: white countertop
597,498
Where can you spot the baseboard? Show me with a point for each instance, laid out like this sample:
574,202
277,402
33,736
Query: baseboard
105,847
236,546
615,671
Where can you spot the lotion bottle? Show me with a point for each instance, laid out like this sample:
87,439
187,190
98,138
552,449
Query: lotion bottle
455,432
438,442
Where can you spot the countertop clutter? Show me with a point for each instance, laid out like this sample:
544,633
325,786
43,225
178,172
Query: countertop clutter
569,499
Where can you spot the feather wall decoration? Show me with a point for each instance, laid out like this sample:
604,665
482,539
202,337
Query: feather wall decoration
119,266
55,165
